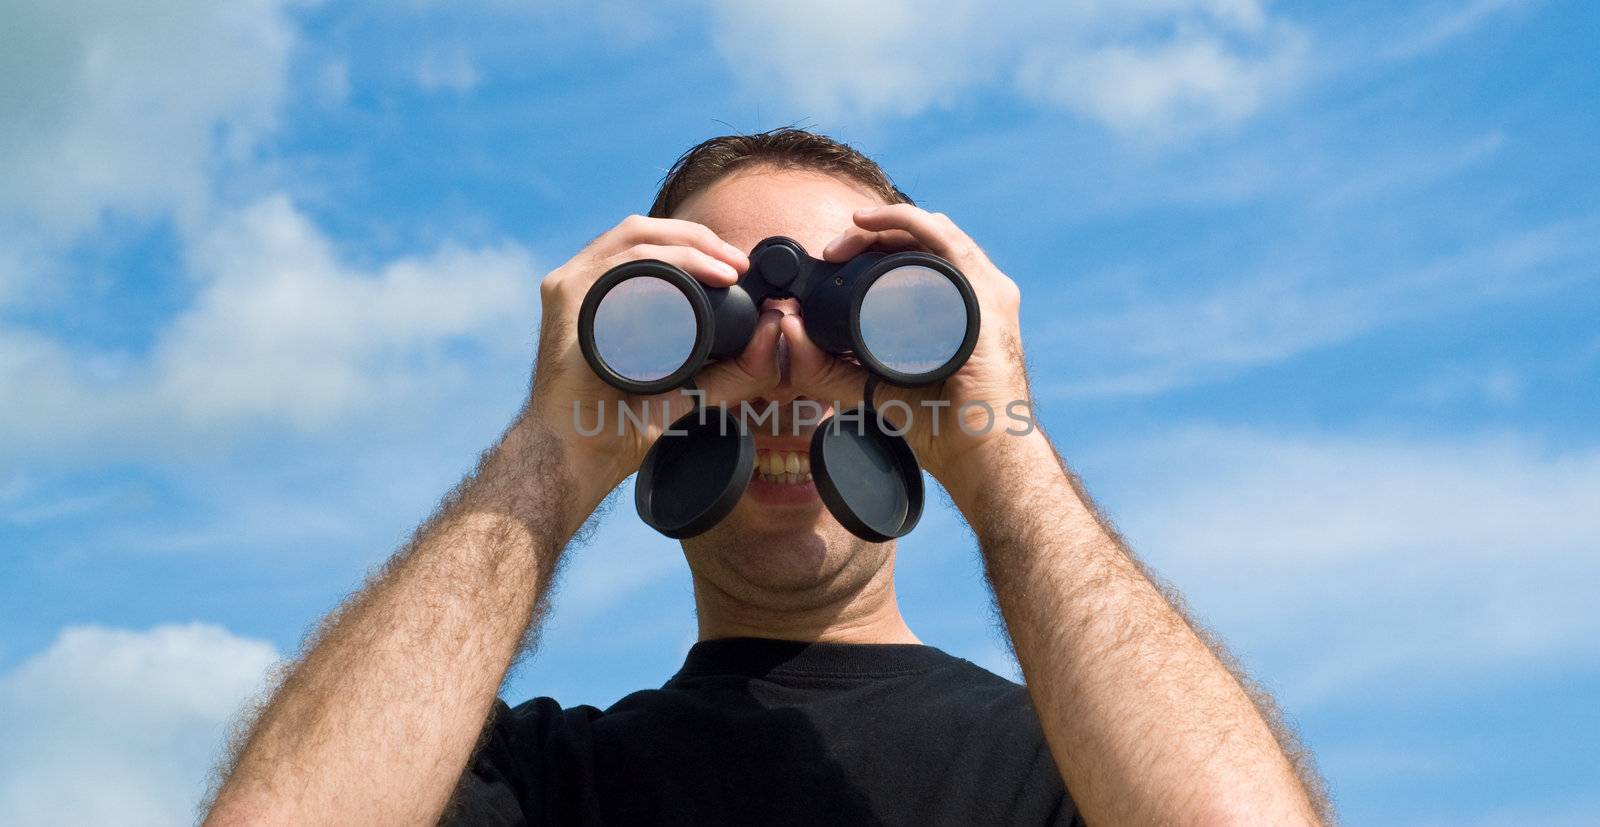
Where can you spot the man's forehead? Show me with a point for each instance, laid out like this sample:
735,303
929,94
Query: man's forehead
750,205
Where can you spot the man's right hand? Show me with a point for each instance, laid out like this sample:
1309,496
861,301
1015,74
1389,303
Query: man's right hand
564,387
375,723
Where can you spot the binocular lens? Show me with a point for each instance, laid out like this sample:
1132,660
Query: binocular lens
913,320
645,329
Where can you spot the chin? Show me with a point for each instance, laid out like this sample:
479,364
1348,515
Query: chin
776,549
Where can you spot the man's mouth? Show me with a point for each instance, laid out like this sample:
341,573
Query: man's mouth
782,475
783,467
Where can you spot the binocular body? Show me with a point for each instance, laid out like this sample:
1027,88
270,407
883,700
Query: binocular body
909,318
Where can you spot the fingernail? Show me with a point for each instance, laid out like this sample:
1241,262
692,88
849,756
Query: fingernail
832,245
731,271
867,210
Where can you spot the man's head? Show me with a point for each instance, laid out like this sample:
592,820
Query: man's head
780,548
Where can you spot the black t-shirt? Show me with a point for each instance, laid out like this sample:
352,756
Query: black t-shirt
755,731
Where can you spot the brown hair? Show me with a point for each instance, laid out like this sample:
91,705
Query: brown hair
786,148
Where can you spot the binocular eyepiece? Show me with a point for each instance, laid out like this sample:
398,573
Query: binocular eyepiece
910,318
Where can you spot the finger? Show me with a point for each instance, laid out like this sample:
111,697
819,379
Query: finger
817,373
754,373
709,270
854,241
760,356
936,232
638,229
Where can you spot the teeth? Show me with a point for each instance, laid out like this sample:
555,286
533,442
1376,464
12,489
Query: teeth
783,467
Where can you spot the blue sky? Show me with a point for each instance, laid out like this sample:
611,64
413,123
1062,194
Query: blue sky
1309,297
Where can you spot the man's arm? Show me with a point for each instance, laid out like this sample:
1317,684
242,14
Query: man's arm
376,722
1146,723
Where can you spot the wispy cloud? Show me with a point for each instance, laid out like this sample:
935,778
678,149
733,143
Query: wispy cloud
1146,69
447,69
1497,384
1125,341
1407,560
30,513
1438,27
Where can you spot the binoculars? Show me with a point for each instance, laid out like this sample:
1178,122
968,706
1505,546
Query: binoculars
909,318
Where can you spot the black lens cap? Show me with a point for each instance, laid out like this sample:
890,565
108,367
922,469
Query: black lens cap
867,477
695,473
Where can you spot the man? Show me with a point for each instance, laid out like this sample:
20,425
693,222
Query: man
808,699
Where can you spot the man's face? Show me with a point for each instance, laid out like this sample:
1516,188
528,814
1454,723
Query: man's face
780,544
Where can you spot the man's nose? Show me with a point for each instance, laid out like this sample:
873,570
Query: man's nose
790,305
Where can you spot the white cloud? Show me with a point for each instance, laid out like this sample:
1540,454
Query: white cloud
836,56
281,332
110,726
117,106
1357,563
1164,66
1152,68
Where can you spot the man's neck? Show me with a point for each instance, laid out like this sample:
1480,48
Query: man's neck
870,615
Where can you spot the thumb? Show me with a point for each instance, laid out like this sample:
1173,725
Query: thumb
819,374
753,373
